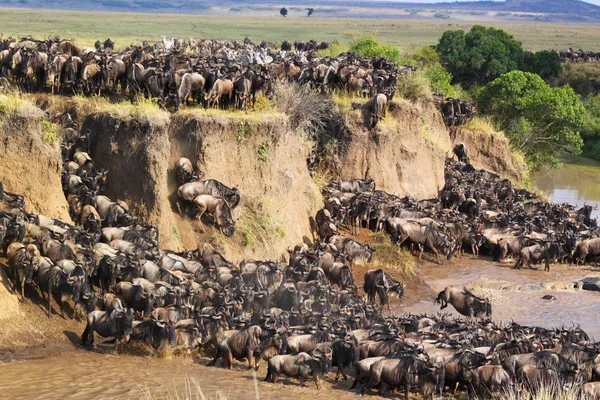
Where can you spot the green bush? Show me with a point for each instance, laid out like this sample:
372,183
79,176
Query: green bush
439,80
541,121
367,46
426,56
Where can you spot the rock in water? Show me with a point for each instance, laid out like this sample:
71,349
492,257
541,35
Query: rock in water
591,284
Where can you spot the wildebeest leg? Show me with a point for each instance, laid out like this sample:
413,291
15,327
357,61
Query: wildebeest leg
49,301
228,359
421,249
214,361
250,357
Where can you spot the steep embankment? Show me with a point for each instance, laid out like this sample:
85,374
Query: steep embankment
259,154
489,150
405,154
30,162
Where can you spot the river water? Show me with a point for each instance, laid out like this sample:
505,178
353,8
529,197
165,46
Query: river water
577,182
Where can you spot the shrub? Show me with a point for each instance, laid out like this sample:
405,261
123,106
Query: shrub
49,131
263,151
439,80
480,55
367,46
539,120
413,86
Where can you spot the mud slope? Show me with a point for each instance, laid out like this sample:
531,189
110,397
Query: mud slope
489,151
267,161
258,153
32,166
405,154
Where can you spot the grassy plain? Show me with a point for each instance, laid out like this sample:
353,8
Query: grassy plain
125,28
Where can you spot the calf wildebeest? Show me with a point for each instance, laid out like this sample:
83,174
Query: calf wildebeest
222,88
465,302
380,283
115,324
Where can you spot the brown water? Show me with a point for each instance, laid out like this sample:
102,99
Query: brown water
577,182
517,295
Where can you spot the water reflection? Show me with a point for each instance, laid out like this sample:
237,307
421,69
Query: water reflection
577,182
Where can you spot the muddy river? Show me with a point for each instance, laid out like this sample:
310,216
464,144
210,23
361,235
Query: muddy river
577,182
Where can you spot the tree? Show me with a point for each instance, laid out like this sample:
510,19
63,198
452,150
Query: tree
310,12
479,56
544,63
283,12
541,121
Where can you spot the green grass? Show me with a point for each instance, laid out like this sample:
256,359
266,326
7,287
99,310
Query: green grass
49,131
125,28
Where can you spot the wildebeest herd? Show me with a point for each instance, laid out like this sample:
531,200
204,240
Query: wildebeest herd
580,55
305,316
211,73
455,111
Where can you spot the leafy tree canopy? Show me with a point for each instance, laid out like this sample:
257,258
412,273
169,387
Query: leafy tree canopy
283,12
539,120
480,55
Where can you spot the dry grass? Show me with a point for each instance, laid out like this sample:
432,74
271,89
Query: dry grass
439,138
15,105
543,392
484,124
414,86
397,260
192,390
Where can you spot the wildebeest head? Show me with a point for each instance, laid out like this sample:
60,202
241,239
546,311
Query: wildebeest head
168,328
127,323
77,280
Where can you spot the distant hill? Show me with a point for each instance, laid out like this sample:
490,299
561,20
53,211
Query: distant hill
541,10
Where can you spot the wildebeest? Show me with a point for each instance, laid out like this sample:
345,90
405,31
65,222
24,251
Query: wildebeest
380,283
345,353
118,325
191,190
239,345
222,89
301,366
155,333
407,371
465,302
219,209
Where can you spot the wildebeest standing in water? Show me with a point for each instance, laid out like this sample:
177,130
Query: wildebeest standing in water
465,302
